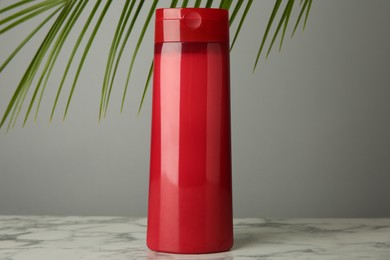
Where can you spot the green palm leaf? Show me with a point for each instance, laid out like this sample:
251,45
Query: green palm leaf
141,37
25,83
209,3
146,87
28,38
197,3
284,19
121,50
64,17
53,56
235,11
28,13
248,6
106,88
185,3
72,55
87,48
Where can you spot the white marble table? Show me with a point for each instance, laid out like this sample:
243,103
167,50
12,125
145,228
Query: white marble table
47,237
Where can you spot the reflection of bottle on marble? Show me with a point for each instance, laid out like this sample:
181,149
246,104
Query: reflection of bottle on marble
190,193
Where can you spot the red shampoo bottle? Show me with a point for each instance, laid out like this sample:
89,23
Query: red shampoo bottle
190,189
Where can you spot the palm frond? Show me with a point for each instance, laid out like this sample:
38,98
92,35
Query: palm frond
173,5
235,11
284,19
73,54
185,3
270,22
52,57
146,87
106,88
305,5
28,13
225,4
209,4
64,18
140,39
288,11
20,93
85,53
28,38
15,5
121,50
197,3
248,6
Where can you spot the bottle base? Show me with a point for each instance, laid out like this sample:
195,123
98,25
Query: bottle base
189,252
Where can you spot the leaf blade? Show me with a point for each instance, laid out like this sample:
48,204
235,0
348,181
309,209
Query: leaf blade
56,51
300,16
18,97
197,3
289,7
184,4
138,44
72,55
235,11
28,37
28,10
265,35
106,90
85,53
12,6
209,3
307,14
28,17
146,87
248,5
124,42
281,22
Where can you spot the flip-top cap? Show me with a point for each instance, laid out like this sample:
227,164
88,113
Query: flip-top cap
192,25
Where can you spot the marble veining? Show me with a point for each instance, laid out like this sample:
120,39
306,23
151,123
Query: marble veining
48,237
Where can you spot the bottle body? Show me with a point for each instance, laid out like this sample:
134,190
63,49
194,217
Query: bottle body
190,192
190,189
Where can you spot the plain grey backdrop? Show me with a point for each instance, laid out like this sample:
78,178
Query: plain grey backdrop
311,127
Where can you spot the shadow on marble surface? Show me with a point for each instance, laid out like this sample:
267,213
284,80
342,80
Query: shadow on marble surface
247,239
217,256
243,240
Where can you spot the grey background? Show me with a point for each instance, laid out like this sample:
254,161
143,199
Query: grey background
311,127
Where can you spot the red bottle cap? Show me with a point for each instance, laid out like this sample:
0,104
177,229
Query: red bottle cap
192,25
